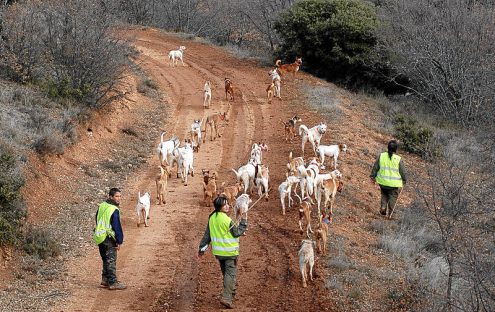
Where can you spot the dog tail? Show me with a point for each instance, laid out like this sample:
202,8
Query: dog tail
277,63
161,136
300,200
236,173
303,128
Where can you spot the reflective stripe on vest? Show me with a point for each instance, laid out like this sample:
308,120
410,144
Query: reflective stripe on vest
103,226
388,174
223,243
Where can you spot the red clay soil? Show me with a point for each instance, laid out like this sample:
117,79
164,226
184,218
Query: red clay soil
159,263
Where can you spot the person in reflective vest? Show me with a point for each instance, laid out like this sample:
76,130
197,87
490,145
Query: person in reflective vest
223,235
108,235
390,174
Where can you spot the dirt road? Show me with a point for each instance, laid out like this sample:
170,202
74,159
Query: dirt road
159,263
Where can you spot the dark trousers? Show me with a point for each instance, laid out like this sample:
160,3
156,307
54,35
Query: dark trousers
229,272
389,199
108,255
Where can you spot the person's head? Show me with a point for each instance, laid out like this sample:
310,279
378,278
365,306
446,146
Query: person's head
392,147
115,195
221,204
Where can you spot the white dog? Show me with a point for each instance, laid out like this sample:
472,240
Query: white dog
285,189
246,175
330,151
176,55
207,95
306,260
186,161
196,133
165,149
312,135
143,208
257,153
262,181
241,205
276,80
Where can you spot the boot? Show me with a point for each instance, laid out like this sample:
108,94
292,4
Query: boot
117,286
228,304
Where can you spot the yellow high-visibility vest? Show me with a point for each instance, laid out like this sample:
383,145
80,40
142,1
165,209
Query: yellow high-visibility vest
389,174
223,243
103,226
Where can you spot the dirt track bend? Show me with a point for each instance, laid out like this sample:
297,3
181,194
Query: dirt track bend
159,263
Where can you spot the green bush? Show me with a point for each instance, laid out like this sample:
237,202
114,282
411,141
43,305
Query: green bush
334,37
414,137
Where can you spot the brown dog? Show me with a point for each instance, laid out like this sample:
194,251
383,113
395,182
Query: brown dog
321,238
230,192
330,188
229,89
269,92
294,163
212,122
290,128
289,68
305,213
161,183
210,190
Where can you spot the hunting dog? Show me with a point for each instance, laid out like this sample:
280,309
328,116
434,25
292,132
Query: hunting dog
230,192
176,55
143,208
241,205
229,89
165,149
330,151
269,92
196,134
262,181
312,135
290,128
161,183
256,156
276,79
212,121
289,68
305,213
207,94
246,174
294,163
207,174
210,190
329,189
306,260
285,189
186,161
321,238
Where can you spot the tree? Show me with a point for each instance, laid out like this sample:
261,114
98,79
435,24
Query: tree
445,49
334,37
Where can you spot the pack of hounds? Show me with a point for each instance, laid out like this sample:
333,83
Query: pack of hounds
306,177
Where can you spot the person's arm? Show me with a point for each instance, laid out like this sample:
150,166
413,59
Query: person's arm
205,241
117,227
237,231
375,169
402,171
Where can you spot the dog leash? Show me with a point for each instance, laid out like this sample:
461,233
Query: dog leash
236,222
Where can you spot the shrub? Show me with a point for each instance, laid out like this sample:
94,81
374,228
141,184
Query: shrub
334,37
414,137
49,143
11,206
40,243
